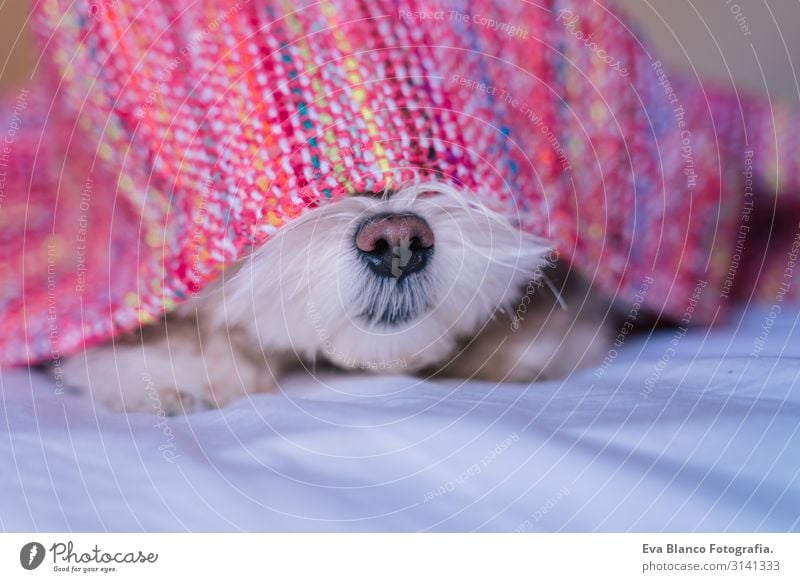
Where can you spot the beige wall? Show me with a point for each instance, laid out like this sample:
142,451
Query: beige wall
703,33
15,42
707,35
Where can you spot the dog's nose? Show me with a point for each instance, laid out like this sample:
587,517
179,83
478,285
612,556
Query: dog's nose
395,245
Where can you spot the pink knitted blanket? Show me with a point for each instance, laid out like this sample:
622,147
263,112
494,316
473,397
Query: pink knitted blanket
167,138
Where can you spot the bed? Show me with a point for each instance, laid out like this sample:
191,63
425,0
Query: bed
694,432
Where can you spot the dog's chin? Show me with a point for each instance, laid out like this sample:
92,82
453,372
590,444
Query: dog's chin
407,350
310,291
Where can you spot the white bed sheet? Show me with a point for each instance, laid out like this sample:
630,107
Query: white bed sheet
714,447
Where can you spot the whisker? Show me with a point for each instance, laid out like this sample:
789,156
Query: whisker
555,291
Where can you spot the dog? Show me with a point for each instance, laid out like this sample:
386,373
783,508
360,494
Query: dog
477,190
421,280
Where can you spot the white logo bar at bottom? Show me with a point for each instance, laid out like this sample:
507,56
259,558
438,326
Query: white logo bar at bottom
401,557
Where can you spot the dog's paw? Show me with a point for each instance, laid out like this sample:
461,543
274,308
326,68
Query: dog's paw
140,378
544,347
172,401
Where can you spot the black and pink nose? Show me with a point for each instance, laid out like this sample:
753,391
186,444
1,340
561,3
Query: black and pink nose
395,245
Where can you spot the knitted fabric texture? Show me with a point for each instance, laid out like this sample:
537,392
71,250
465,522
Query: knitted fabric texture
165,139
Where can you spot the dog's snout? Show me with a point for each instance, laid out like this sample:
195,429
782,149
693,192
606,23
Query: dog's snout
395,244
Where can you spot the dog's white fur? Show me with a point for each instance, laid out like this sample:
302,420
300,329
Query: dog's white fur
305,296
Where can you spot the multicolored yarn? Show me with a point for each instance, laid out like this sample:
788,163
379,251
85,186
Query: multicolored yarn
167,138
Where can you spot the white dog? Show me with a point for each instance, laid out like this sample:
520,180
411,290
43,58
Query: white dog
421,281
